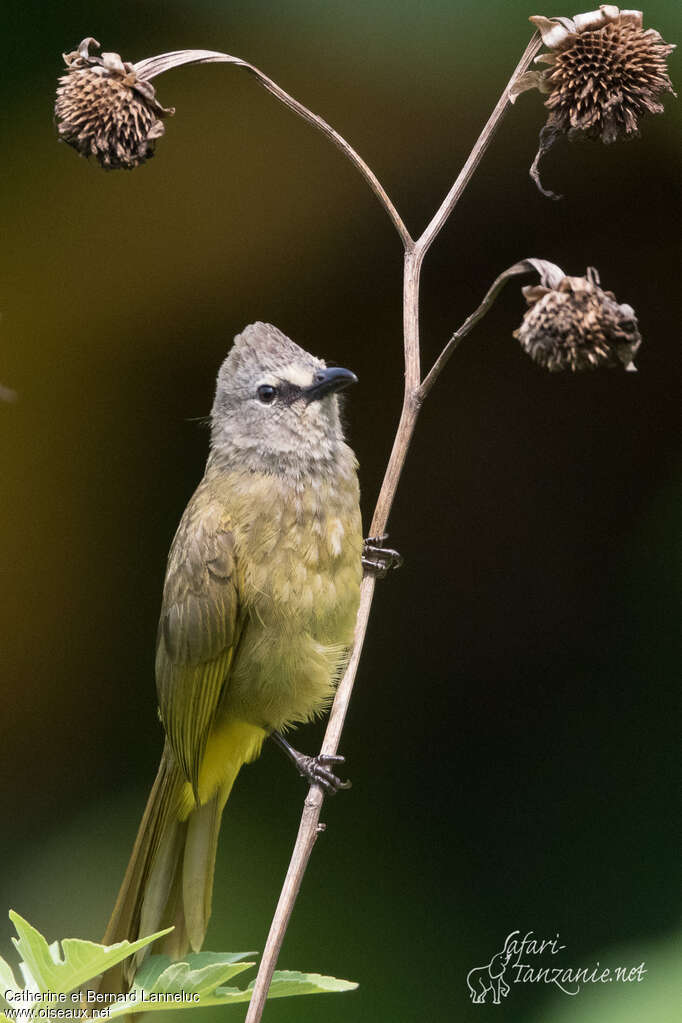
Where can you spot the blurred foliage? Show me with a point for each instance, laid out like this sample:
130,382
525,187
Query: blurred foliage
658,997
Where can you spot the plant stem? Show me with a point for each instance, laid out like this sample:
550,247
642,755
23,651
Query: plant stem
153,66
309,828
414,394
523,267
482,143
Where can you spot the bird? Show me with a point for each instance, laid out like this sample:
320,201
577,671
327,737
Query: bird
259,604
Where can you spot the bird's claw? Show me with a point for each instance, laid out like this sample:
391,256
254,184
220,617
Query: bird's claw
377,559
316,770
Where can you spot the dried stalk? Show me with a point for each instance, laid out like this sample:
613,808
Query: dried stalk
523,267
153,66
415,392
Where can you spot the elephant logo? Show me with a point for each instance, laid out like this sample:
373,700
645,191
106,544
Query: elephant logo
483,979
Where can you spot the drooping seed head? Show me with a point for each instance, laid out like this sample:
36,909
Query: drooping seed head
575,325
604,74
104,109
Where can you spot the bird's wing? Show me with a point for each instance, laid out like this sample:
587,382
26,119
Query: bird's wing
198,629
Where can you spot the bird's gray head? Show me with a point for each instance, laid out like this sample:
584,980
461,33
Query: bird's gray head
275,407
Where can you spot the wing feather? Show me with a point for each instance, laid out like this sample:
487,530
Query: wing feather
198,629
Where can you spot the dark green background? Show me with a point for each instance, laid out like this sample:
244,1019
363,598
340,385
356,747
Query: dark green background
514,735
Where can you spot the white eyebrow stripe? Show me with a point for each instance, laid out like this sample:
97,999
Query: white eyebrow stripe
295,374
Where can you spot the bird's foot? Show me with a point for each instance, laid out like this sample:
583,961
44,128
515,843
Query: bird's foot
377,559
316,770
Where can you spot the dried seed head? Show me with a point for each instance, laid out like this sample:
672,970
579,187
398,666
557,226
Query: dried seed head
104,109
573,324
604,73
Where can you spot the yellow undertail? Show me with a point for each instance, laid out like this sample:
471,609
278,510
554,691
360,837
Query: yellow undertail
169,879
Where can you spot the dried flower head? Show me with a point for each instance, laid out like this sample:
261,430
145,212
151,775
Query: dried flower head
572,324
106,110
604,73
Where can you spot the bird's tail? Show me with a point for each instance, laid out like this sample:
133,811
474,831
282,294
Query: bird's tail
169,879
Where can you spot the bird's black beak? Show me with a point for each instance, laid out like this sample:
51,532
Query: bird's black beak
328,381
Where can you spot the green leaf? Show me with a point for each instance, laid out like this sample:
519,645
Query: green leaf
290,982
79,962
7,981
6,976
196,983
199,973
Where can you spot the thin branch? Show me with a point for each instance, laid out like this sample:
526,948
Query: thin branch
310,826
484,139
154,66
523,267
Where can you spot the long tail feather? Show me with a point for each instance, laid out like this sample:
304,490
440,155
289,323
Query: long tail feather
198,868
160,817
169,880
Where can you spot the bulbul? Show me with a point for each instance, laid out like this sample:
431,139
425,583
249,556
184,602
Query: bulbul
259,603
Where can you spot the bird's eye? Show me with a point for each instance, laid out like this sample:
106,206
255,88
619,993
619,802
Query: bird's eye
266,394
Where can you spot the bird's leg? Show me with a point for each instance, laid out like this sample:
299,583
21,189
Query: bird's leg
313,769
379,559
